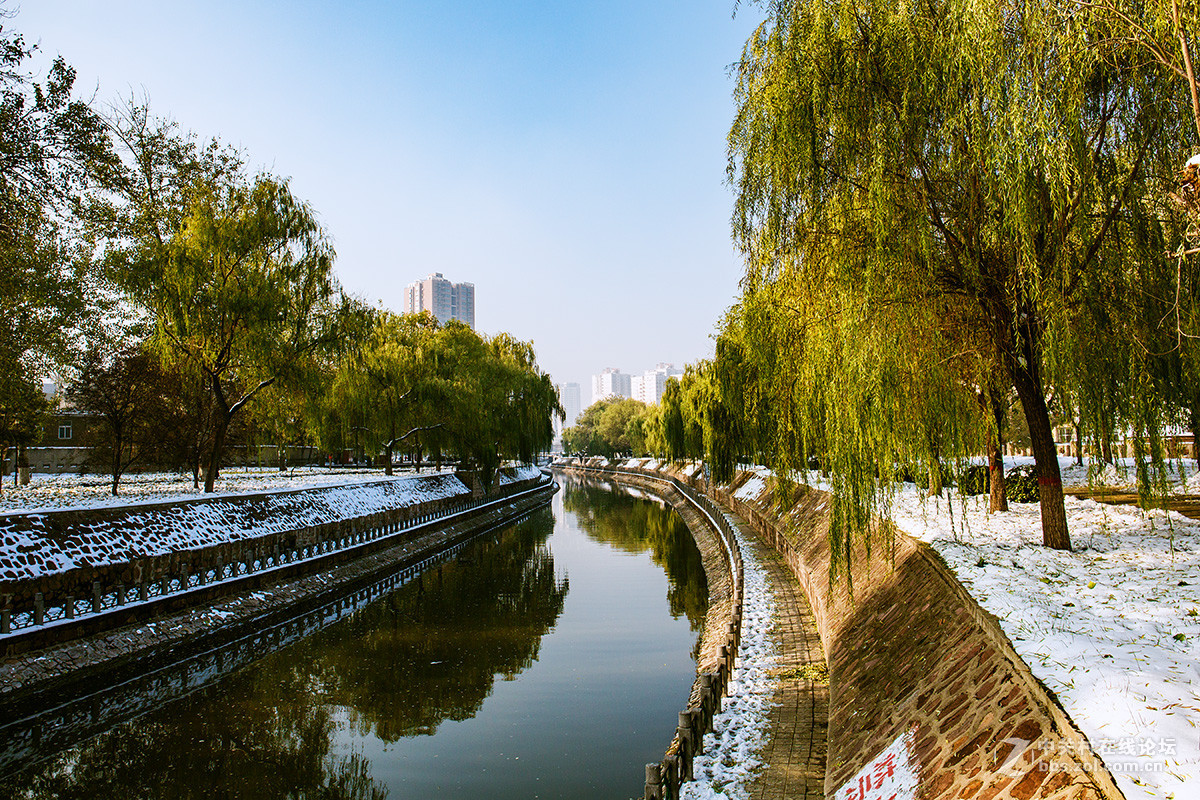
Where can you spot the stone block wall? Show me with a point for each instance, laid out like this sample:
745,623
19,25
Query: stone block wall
910,652
273,527
912,656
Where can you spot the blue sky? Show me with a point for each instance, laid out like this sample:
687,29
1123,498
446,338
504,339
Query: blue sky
566,157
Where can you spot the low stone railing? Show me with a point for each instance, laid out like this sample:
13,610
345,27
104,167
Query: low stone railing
80,598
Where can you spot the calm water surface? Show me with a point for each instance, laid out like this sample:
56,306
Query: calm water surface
548,660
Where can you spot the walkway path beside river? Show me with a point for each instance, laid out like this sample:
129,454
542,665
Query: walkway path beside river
795,753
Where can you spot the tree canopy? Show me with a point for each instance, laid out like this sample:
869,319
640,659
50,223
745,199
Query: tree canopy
125,240
445,389
934,198
609,427
52,147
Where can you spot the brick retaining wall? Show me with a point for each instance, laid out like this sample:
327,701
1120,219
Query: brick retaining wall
911,652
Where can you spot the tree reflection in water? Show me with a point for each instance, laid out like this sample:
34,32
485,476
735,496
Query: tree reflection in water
609,514
428,652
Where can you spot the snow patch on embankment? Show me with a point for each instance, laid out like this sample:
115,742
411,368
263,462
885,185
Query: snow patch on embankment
39,543
1112,627
731,752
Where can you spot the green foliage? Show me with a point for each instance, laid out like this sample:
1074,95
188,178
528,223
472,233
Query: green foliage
1163,30
235,273
612,427
23,408
974,480
407,381
52,146
524,400
391,386
619,420
932,199
503,404
138,402
230,278
1021,483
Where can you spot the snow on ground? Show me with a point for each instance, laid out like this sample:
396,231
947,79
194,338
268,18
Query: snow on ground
34,543
1182,475
523,473
1113,627
58,491
731,752
754,485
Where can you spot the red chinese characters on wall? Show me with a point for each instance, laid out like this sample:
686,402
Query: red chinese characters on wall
892,775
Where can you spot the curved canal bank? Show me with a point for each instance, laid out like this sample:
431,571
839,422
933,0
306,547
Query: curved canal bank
262,581
589,693
927,697
768,739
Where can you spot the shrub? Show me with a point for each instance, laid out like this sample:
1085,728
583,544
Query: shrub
975,480
1020,484
921,477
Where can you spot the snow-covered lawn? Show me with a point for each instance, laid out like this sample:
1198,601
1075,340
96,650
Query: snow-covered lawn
48,491
1182,475
1113,627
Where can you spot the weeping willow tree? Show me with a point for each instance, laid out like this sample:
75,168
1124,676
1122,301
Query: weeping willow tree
867,393
531,402
931,197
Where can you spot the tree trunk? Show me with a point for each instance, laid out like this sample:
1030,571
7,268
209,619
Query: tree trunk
1194,425
116,465
118,446
387,454
1079,443
997,495
218,446
1041,435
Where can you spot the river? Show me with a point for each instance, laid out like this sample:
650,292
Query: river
546,660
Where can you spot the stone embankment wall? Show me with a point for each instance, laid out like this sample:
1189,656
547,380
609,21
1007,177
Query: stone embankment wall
912,656
89,666
108,557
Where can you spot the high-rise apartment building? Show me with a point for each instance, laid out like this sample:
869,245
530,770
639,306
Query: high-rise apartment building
610,383
569,396
649,386
443,299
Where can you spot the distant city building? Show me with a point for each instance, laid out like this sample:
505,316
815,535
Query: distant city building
569,396
649,386
611,383
443,299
